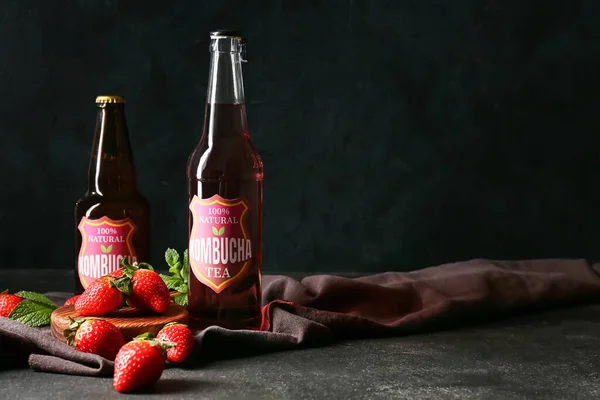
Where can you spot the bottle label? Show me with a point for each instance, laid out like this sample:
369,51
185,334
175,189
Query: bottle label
105,242
220,248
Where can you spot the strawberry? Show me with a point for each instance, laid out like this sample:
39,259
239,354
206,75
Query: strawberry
71,301
103,296
139,363
8,302
148,290
118,273
183,339
95,336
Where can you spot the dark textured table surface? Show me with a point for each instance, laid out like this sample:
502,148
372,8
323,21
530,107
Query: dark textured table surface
551,355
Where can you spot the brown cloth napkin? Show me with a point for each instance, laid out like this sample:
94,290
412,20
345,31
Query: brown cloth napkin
321,309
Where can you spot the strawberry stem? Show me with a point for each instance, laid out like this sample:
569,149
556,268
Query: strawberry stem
123,284
150,338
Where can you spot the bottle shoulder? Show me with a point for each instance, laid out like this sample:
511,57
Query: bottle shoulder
227,157
98,204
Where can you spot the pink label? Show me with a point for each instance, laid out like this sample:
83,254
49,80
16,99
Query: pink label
105,242
220,249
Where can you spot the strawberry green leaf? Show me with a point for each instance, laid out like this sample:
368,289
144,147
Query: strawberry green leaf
215,231
123,284
171,257
144,336
32,313
144,265
181,299
39,298
222,230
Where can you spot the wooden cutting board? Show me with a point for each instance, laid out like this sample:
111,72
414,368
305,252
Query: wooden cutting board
130,321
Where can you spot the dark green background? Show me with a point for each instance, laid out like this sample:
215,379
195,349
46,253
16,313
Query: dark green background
395,134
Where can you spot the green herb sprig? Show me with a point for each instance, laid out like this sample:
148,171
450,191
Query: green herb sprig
34,310
178,280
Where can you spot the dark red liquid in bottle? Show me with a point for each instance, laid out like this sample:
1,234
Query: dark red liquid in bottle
225,163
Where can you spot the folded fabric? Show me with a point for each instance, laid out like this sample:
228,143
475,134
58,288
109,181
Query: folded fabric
322,309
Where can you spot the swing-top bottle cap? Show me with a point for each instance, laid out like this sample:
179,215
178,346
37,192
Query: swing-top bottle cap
110,100
223,33
228,41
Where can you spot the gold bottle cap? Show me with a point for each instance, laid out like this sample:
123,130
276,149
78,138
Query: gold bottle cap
109,99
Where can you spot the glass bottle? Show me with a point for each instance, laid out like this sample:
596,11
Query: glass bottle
112,219
225,183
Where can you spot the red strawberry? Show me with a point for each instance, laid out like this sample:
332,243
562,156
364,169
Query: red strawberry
71,301
181,337
149,292
139,363
8,302
101,297
118,273
95,336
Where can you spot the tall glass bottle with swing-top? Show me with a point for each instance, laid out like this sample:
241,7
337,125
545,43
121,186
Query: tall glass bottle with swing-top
225,178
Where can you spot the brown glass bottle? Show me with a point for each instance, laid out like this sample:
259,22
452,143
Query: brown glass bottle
112,220
224,174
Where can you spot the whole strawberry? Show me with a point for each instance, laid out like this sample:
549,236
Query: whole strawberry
182,337
8,302
139,363
103,296
71,300
148,290
95,336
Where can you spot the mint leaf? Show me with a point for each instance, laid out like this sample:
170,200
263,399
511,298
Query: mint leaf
171,281
179,269
215,231
186,266
181,288
181,300
171,257
222,230
39,298
32,313
109,249
184,275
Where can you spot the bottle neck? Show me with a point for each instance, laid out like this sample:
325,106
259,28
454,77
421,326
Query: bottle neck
225,80
225,114
111,171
